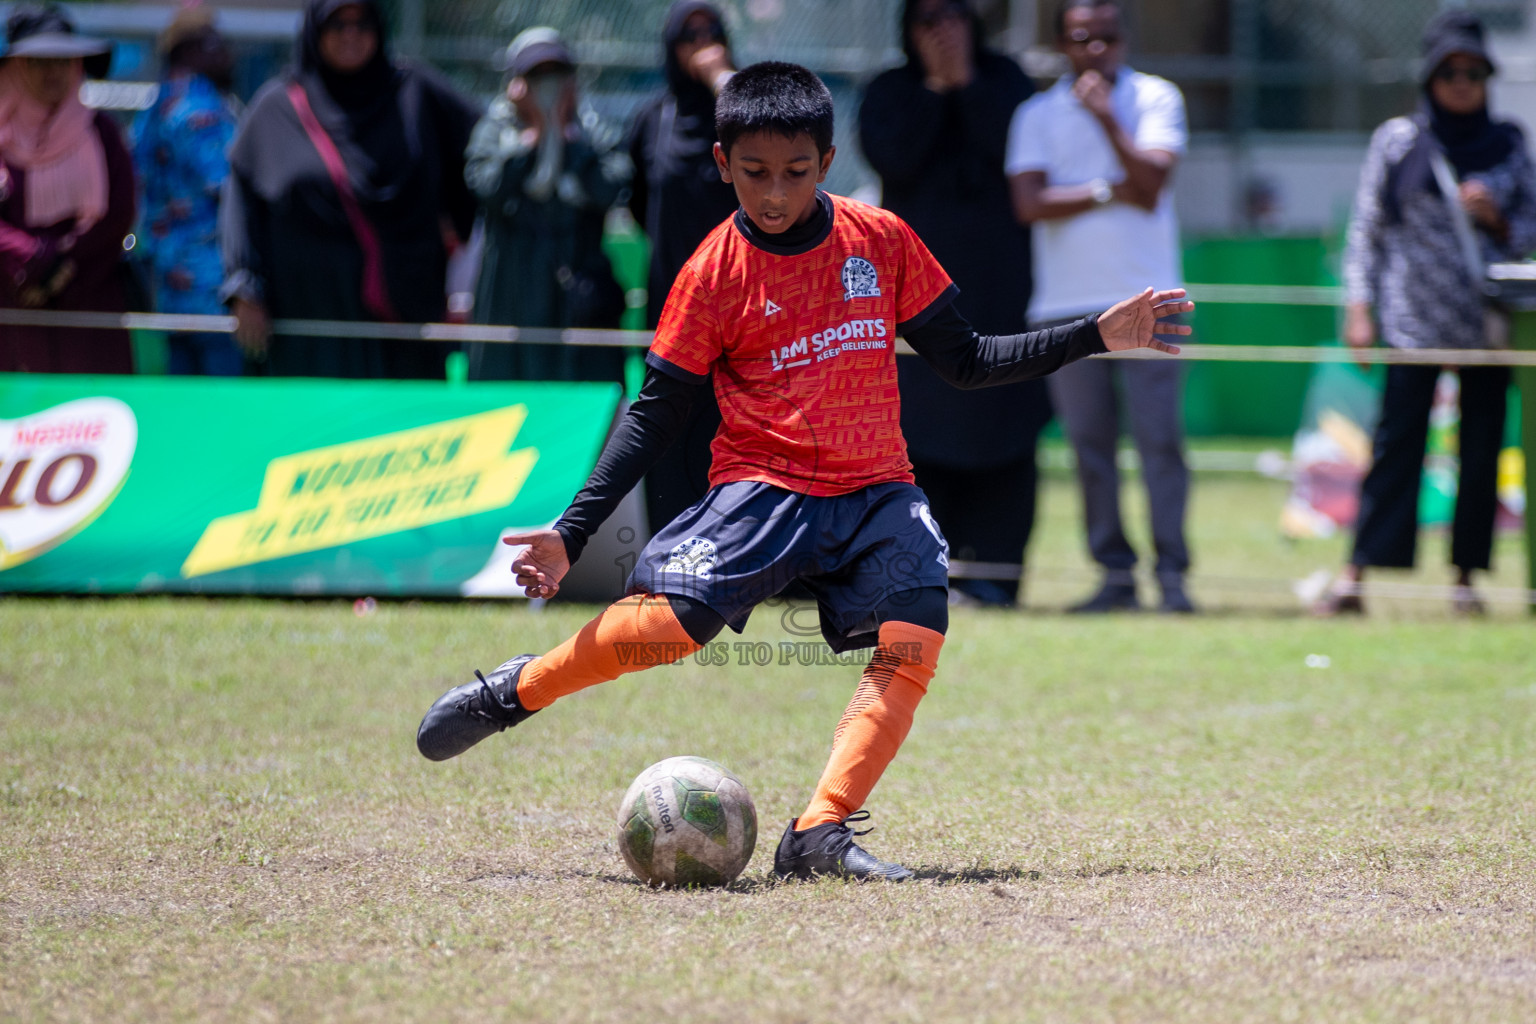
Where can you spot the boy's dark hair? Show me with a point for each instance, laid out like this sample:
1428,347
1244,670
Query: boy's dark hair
774,97
1072,5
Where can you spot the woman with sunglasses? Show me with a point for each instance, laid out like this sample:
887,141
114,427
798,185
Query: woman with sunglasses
1415,258
346,192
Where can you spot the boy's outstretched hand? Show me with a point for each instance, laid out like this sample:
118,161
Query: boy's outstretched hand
540,569
1135,322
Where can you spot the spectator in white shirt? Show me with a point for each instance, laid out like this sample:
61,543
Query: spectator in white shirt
1089,163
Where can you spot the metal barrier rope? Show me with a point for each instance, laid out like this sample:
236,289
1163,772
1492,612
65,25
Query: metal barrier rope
1209,293
504,335
1268,294
1305,590
187,323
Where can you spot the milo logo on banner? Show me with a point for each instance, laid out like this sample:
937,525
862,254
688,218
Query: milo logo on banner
332,496
59,469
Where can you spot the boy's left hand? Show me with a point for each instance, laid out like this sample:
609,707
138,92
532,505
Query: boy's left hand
540,568
1135,322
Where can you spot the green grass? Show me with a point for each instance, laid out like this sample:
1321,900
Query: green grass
215,811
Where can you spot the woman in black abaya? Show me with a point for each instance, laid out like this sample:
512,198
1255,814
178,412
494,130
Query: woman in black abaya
346,190
935,129
678,197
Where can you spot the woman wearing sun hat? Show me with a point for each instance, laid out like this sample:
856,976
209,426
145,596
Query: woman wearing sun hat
66,197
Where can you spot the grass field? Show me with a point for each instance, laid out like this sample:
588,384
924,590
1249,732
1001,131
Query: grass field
213,810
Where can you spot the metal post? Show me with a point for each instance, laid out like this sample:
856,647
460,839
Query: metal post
1245,100
1023,25
1523,336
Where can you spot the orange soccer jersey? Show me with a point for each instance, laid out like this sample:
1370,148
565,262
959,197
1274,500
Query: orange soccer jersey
802,348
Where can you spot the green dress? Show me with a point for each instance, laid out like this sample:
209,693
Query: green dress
542,215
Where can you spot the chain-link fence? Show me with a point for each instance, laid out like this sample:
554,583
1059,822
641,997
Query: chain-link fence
1325,64
1282,65
1244,65
618,45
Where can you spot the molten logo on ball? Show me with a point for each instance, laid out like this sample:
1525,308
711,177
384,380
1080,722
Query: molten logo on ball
687,821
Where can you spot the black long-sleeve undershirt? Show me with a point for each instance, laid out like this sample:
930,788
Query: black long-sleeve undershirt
949,344
654,420
943,338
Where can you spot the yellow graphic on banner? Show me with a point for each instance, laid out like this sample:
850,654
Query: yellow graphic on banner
349,492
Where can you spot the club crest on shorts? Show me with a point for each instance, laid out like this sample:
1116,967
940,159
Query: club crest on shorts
920,510
860,281
694,557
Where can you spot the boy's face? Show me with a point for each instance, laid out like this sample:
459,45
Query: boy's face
775,177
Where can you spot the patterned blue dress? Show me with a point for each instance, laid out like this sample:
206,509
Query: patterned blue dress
181,149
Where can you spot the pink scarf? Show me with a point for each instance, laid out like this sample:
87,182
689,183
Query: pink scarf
59,149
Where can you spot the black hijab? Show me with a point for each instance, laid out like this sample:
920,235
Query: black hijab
360,111
360,90
1471,142
694,99
909,18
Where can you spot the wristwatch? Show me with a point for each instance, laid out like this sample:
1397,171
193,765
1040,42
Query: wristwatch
1101,191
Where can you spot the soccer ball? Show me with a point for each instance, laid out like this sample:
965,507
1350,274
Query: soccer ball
687,821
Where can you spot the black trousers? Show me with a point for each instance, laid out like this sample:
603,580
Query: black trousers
1389,496
987,516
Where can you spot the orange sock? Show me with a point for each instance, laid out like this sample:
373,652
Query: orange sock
876,721
635,633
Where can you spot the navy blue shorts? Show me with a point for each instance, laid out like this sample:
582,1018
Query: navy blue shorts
745,542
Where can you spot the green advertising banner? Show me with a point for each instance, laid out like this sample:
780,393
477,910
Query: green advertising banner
266,486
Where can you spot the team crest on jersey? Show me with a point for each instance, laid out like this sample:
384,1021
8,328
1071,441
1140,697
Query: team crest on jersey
859,279
694,557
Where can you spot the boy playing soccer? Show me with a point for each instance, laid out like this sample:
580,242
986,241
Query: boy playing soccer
791,309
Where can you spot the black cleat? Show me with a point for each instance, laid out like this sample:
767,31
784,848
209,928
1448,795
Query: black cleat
830,850
467,714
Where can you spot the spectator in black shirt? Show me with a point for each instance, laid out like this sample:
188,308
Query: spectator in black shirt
935,130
